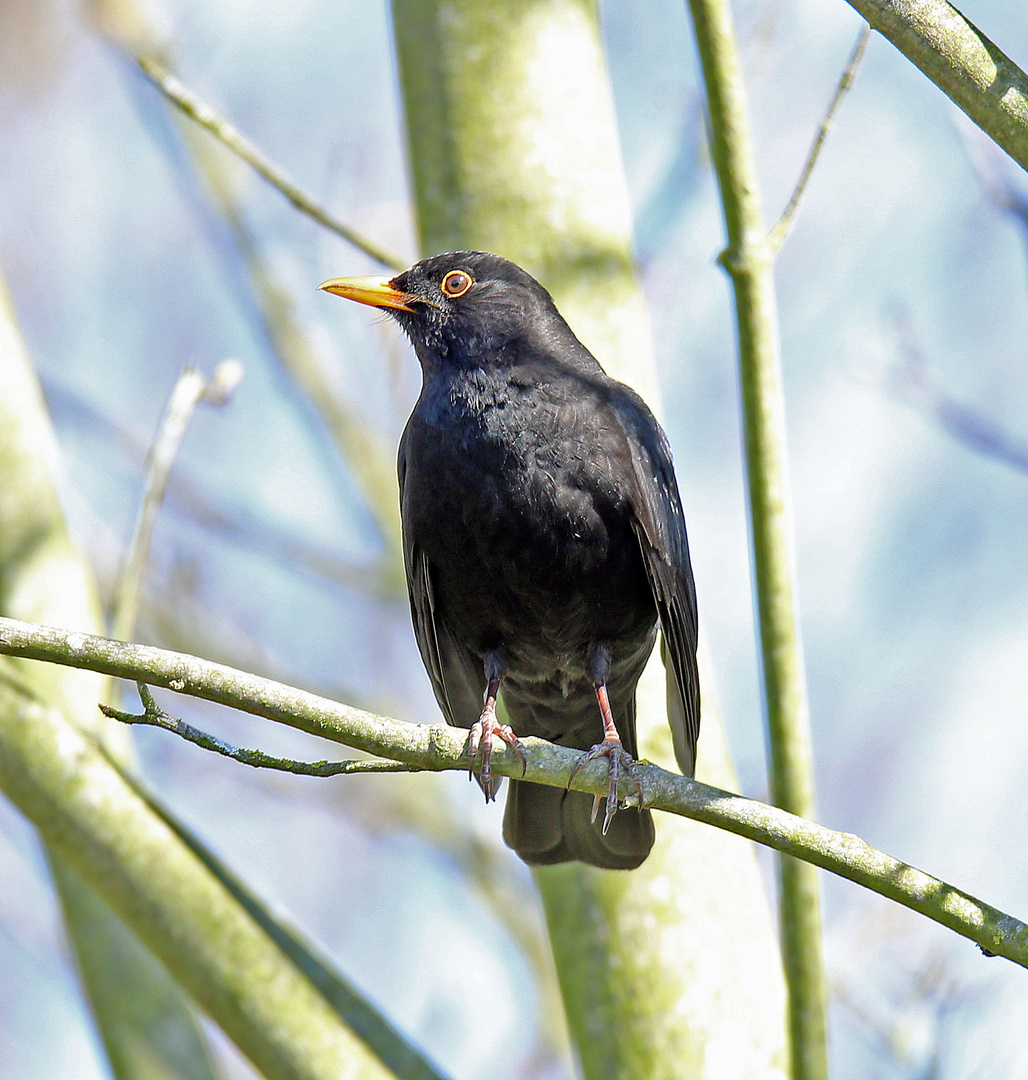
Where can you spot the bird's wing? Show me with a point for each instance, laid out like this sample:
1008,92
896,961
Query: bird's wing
457,680
452,671
660,527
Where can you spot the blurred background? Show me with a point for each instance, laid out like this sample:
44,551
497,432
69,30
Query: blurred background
904,311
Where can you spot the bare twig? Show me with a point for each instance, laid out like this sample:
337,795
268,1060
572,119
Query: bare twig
780,232
199,111
439,747
369,578
154,716
190,389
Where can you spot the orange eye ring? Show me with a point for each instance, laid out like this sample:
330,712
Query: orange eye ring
456,283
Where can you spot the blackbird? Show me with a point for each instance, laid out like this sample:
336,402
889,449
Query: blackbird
543,540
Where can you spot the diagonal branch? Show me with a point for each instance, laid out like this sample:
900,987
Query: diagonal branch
278,1001
969,69
199,111
439,747
780,232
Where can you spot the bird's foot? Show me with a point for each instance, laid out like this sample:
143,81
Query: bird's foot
480,741
619,758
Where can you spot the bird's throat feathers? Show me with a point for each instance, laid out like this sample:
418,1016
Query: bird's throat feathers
490,354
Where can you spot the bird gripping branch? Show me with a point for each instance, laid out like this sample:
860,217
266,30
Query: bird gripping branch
543,542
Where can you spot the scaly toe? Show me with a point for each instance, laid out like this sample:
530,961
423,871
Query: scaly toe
480,748
619,758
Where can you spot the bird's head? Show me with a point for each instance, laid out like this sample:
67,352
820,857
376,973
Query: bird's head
459,309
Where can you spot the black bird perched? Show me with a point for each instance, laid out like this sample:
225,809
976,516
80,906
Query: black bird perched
543,540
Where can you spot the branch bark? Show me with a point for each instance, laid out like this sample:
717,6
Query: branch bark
438,747
969,69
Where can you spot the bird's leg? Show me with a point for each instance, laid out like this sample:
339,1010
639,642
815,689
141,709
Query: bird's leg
483,730
611,748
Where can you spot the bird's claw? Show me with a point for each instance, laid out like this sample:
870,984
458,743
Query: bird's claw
618,757
480,742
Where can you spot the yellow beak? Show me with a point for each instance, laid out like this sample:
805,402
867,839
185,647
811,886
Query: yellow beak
378,292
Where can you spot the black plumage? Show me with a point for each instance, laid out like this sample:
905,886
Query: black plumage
543,539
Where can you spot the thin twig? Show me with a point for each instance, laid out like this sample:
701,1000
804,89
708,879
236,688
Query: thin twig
198,110
154,716
777,236
235,524
439,747
190,389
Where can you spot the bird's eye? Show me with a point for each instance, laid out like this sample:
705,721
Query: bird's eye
456,283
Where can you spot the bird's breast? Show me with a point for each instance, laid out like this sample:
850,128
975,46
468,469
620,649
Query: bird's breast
506,483
521,515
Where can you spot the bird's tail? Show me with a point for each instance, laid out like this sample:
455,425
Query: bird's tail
547,825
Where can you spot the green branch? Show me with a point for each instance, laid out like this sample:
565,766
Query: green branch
142,1018
972,72
439,747
534,173
749,258
281,1005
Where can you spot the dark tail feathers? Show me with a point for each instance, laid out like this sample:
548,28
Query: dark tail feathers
547,825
